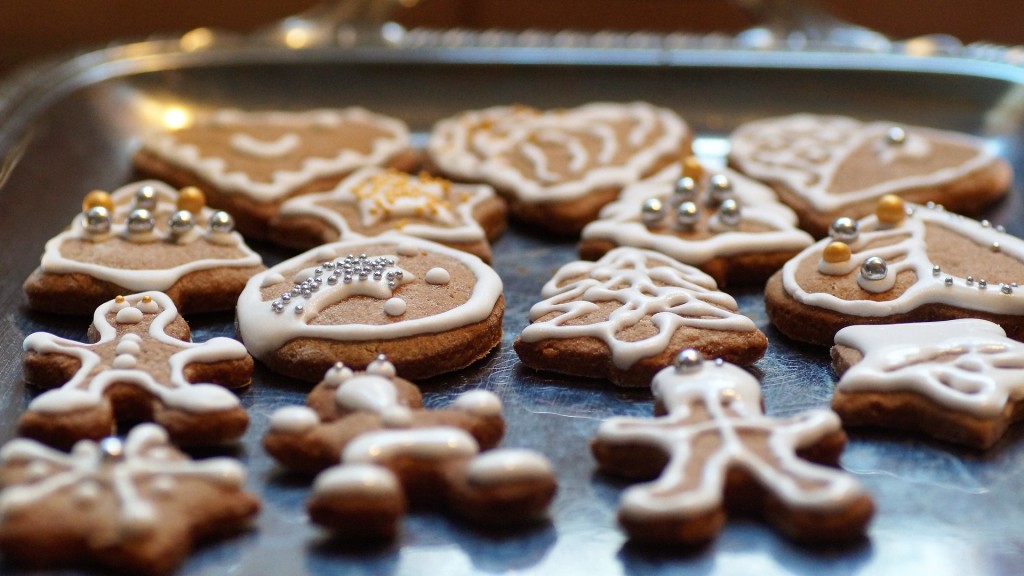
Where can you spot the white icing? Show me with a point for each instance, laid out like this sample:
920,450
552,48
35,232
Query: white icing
126,346
381,367
272,279
732,398
967,364
394,307
357,480
478,402
385,195
620,222
508,465
281,146
396,416
435,444
294,420
366,392
125,361
437,276
645,284
53,261
909,254
477,145
284,180
265,330
167,384
129,316
337,374
805,151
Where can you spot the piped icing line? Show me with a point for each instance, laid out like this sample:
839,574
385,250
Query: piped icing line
87,386
283,182
646,284
53,261
621,221
437,443
281,146
148,459
380,194
255,314
966,364
476,146
732,399
804,152
909,254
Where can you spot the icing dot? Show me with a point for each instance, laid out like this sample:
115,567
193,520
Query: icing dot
437,276
125,362
836,252
508,465
479,402
132,338
337,374
127,347
293,419
148,305
394,307
407,249
358,479
129,315
381,367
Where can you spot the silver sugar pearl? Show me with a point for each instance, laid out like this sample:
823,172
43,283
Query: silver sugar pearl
896,136
685,189
688,361
996,247
347,279
936,270
299,308
948,281
181,223
721,188
332,279
970,280
729,212
277,306
140,221
844,229
982,284
318,271
687,215
111,449
874,268
986,224
146,197
96,220
1006,289
221,222
652,212
287,296
1000,228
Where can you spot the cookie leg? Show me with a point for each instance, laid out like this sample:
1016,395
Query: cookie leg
501,488
358,501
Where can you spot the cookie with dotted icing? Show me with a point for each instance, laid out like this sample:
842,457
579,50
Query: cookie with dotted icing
711,451
134,506
249,162
430,308
557,168
959,380
143,236
139,366
729,226
906,263
375,200
393,453
825,167
626,316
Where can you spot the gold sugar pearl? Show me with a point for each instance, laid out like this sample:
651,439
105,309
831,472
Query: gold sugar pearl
836,252
891,209
97,198
119,299
192,199
147,299
693,168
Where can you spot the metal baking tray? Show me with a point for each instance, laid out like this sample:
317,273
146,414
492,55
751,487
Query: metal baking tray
70,125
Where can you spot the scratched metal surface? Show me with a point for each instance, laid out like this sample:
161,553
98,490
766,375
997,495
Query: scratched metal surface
941,510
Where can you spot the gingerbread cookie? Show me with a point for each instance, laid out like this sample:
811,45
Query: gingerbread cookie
825,167
374,200
140,366
626,316
958,380
394,453
250,162
558,168
143,236
430,308
729,226
907,263
134,506
713,450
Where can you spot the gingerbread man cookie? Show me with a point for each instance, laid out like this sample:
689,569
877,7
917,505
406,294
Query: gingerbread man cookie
394,453
713,450
906,263
626,316
825,167
250,162
374,200
143,236
729,226
558,168
430,308
141,366
133,506
958,380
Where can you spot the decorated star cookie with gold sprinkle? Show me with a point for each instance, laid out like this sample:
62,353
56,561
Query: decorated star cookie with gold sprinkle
729,226
143,236
132,506
374,201
906,263
713,451
140,366
249,162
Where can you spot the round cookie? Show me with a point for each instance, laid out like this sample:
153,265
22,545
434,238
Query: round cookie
686,213
557,168
143,236
431,309
825,167
249,162
908,263
374,200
